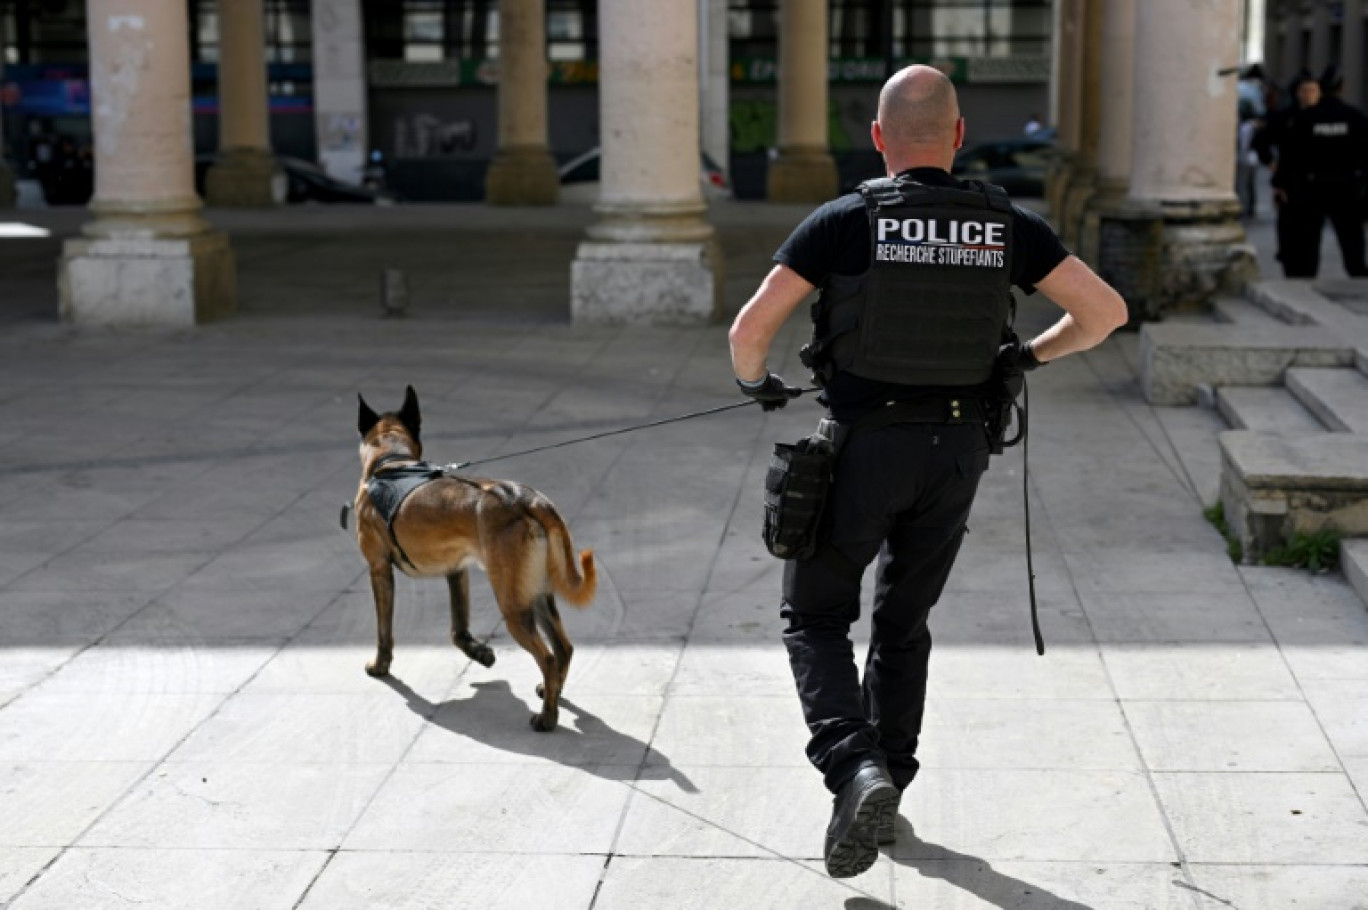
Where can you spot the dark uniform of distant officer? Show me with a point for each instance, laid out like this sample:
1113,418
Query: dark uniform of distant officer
915,275
1321,168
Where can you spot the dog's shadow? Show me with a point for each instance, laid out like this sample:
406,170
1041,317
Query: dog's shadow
497,718
975,875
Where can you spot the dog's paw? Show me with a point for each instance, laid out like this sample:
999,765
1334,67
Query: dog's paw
483,655
542,724
377,669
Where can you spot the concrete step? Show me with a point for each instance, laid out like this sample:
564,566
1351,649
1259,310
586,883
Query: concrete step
1273,487
1338,397
1239,311
1267,410
1354,564
1175,358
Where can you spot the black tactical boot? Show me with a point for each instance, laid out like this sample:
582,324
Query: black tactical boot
887,820
852,837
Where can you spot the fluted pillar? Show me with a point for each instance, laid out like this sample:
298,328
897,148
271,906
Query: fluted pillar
1320,37
1184,244
523,171
1351,52
804,170
246,174
651,256
1116,84
1083,172
147,257
714,79
1292,59
1066,98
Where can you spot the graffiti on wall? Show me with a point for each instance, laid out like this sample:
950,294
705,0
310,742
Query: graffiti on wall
428,136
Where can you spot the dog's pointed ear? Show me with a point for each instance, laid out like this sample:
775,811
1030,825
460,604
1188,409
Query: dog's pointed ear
365,417
409,413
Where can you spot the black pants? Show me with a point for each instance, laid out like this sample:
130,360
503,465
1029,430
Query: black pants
1302,219
901,492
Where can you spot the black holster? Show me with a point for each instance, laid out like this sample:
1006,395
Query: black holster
796,487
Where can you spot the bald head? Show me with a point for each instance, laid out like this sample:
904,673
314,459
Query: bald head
919,114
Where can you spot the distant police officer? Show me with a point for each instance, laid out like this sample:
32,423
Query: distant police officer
915,274
1321,168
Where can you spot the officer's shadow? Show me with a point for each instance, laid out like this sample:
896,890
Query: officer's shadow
498,718
974,875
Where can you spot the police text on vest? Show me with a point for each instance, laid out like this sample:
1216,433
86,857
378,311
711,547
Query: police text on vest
932,241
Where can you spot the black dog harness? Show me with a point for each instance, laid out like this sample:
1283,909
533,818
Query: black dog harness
388,487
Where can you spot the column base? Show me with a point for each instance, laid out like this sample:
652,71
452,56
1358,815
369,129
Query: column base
675,283
8,193
1077,195
522,176
802,175
1174,257
245,178
1107,197
131,280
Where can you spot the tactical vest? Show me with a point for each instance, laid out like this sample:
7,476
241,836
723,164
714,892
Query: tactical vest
932,307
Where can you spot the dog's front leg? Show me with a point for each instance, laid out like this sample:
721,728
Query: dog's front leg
382,586
481,653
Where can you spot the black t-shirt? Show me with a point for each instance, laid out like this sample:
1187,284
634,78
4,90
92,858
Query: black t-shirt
834,240
1326,144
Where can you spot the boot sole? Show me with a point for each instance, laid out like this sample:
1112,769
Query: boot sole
888,820
857,851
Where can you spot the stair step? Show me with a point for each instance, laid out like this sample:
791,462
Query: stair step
1242,312
1354,564
1338,397
1268,410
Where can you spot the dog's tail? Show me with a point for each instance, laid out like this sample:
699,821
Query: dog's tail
576,583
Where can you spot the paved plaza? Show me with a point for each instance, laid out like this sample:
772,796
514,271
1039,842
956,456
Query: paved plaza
185,721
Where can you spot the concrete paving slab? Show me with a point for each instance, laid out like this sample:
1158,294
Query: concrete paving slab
230,806
1061,733
1140,572
1186,672
1230,736
194,613
1265,819
1302,608
175,669
20,864
1281,886
322,665
1169,617
1354,564
99,726
1017,815
986,671
746,731
54,617
971,883
24,667
1241,311
506,808
1338,397
218,878
1192,433
49,803
631,882
1338,704
738,670
393,880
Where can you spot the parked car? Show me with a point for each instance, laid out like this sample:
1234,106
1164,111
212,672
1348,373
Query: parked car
307,182
579,178
1016,165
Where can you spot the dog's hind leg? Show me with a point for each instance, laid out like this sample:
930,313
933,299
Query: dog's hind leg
382,586
549,621
459,583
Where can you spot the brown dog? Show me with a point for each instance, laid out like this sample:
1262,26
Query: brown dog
437,525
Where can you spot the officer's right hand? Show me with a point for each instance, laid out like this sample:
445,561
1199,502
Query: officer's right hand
1016,357
772,392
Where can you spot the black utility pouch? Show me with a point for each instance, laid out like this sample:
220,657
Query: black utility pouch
796,487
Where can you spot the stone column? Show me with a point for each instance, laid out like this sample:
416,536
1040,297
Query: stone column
1351,52
246,174
147,257
1320,37
1083,173
1116,83
714,79
1067,97
804,171
1292,60
1182,243
651,257
523,171
339,64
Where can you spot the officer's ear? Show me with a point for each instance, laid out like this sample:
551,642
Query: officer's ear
959,134
876,133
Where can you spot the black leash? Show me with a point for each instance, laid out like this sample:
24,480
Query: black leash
1026,501
456,466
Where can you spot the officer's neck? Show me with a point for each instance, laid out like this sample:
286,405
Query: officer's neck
897,164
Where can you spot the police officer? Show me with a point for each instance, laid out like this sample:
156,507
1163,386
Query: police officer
914,273
1321,168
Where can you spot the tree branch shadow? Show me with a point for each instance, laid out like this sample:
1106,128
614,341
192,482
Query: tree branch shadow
497,718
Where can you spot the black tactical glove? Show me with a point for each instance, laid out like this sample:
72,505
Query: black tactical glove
1015,358
771,392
